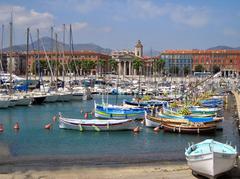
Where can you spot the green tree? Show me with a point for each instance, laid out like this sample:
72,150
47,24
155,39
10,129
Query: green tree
174,70
113,64
159,65
137,64
87,65
199,68
216,69
186,70
100,65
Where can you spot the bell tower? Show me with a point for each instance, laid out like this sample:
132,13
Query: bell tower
139,49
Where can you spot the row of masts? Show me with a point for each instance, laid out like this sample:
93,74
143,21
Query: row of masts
10,66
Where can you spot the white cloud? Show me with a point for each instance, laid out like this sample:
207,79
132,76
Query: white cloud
24,18
187,15
145,8
85,6
79,25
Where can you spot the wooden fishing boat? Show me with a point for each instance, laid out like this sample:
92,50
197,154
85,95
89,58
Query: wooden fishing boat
151,121
97,124
211,158
191,128
107,111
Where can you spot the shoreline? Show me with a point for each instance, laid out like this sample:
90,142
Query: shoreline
158,170
106,172
10,164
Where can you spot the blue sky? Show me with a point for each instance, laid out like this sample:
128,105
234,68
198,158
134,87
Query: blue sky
118,24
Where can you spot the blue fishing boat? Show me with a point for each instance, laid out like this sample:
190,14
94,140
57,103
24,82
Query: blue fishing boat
212,102
118,112
204,110
211,158
145,104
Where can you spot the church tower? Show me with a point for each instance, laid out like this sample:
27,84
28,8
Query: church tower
139,49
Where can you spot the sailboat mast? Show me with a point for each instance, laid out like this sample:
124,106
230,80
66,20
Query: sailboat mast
2,42
56,38
38,51
51,52
63,67
27,58
11,51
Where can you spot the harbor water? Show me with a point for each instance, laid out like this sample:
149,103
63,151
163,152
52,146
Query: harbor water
33,140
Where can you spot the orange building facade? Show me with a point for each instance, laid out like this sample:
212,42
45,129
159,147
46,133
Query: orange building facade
68,56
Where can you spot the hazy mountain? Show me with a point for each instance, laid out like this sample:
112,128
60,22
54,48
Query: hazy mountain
48,44
223,47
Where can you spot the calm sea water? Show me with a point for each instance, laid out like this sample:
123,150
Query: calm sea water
33,140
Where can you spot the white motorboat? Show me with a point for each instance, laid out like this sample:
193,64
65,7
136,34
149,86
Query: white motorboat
77,96
4,102
64,96
51,97
23,101
211,158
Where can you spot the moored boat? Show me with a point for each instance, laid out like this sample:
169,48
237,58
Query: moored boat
211,158
107,111
4,102
51,97
96,124
192,128
23,101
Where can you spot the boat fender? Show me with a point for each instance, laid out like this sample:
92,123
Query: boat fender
81,111
48,126
16,126
156,129
1,128
86,115
136,129
80,127
96,128
54,118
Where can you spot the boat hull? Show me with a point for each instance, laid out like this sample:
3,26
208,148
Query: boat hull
77,97
51,98
4,104
211,164
150,123
24,102
188,129
38,100
64,97
12,103
82,125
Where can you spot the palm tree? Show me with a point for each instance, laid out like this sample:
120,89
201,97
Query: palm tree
137,64
87,65
113,64
160,65
100,64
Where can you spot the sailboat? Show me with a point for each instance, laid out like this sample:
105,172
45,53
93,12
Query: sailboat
4,101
